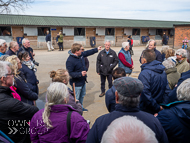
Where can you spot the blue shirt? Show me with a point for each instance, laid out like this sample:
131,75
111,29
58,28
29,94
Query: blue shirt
1,54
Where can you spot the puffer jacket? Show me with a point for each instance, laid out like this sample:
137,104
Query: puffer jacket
106,62
75,65
14,116
175,119
156,86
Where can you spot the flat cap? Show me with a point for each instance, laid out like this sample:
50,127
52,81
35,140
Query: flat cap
128,86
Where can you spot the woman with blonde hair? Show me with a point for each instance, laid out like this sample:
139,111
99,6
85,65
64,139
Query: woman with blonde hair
170,53
58,122
61,75
20,82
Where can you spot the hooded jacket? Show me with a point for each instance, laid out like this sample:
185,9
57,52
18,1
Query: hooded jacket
75,65
156,86
14,116
175,120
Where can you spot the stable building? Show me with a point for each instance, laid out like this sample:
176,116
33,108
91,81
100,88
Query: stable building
84,30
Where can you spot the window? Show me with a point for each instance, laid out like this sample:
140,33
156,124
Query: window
5,31
42,31
159,32
136,32
79,32
109,31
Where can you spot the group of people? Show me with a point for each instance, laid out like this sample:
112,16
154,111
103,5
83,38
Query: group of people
59,40
153,108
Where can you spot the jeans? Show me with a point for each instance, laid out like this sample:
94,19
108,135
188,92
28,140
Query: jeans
103,80
80,92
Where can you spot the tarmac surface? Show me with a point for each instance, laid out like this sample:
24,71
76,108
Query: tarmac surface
57,60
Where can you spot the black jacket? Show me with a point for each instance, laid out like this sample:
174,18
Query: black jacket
175,119
10,52
106,62
14,116
30,78
26,94
101,123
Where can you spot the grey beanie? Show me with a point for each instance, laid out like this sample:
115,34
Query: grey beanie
128,86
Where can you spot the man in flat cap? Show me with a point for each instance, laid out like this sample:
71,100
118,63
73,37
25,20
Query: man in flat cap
127,96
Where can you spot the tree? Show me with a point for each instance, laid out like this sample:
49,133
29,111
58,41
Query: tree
6,6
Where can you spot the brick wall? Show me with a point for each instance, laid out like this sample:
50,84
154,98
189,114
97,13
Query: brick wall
180,33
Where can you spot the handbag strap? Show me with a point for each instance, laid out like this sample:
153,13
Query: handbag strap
69,125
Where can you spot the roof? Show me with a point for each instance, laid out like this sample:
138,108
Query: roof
29,20
183,24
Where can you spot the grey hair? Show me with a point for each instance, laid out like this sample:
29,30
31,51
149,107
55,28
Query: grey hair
3,68
182,52
2,42
128,129
107,41
183,91
168,63
57,93
164,49
149,42
24,40
124,44
13,44
129,101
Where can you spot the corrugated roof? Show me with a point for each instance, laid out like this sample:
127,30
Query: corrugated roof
87,22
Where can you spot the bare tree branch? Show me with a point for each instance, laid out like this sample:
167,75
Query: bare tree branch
6,6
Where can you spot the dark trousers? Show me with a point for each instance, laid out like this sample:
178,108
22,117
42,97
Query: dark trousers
103,80
60,46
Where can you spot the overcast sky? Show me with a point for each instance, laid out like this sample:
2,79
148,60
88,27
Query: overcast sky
171,10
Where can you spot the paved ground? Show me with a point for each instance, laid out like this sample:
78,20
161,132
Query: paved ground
57,59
